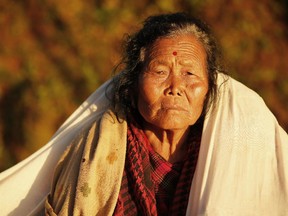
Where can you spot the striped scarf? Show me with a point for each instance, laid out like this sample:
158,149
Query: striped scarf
137,194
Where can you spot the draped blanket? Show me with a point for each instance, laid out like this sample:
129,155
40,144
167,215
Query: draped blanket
243,161
242,166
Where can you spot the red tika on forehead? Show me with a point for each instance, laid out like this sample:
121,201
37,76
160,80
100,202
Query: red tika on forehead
174,53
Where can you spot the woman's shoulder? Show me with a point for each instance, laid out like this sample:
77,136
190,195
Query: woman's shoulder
242,114
241,98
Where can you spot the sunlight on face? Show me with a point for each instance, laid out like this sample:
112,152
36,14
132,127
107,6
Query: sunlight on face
174,83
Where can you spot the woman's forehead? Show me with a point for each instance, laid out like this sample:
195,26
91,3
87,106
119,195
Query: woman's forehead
178,46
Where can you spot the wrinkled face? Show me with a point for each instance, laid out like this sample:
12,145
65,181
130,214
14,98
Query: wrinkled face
174,83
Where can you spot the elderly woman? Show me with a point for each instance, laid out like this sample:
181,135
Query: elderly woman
162,96
169,135
139,154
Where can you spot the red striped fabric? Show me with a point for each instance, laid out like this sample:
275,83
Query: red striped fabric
150,184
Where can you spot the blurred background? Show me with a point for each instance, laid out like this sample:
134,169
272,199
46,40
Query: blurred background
54,54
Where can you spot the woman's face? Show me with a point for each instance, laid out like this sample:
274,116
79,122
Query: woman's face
174,83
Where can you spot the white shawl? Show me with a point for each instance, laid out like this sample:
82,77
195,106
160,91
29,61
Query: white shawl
242,167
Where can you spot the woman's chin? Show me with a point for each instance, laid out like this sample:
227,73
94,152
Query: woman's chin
173,123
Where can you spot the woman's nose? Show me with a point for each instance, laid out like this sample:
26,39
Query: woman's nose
175,85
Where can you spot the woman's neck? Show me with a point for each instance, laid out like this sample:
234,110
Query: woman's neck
170,144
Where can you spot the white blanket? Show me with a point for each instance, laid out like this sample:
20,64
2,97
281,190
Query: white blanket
242,167
243,161
24,187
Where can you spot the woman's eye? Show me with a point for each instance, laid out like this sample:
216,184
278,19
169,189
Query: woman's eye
160,72
189,73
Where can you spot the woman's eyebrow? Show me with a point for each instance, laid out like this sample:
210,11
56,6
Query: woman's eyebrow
186,62
159,62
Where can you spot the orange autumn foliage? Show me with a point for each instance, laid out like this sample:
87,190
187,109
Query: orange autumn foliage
53,54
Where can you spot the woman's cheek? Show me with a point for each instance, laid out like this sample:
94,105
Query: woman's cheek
199,90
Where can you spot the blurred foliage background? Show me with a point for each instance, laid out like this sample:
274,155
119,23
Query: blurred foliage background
54,54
